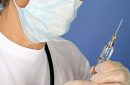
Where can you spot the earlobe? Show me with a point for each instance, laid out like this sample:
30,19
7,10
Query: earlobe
22,3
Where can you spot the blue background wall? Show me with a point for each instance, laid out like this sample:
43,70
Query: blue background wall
96,21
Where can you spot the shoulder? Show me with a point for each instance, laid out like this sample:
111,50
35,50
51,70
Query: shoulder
61,42
70,56
65,46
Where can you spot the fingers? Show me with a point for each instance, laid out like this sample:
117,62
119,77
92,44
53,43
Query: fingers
119,76
108,66
79,82
111,84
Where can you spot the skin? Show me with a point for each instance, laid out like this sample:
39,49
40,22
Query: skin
117,74
11,27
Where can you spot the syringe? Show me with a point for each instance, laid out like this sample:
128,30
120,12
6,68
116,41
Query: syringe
106,52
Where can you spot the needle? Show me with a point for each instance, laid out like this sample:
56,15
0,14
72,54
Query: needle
119,26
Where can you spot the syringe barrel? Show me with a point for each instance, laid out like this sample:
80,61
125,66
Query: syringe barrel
106,53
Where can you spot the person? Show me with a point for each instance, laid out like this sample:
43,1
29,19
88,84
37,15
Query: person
27,27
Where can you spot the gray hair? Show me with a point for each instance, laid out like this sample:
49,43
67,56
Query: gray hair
3,4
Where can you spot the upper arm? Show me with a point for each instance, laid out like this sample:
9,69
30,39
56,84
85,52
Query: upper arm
81,62
74,57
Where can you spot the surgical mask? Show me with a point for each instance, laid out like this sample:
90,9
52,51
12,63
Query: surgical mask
44,20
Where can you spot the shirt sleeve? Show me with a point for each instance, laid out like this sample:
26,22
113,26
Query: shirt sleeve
83,62
77,61
84,70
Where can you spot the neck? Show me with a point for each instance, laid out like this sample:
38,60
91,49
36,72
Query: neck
10,26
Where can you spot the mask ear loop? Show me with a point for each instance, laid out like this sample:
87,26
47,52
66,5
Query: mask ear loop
18,7
16,4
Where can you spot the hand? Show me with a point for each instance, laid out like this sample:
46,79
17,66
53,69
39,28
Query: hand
79,82
110,73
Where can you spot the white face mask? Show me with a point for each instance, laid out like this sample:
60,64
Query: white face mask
44,20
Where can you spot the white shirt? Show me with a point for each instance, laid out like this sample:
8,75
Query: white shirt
24,66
